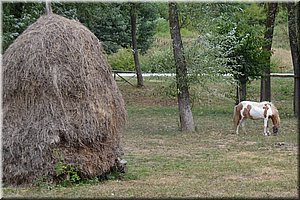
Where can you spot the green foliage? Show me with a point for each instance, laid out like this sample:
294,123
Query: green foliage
231,42
67,10
190,14
204,59
16,18
110,22
240,39
162,28
146,21
122,60
162,9
160,60
68,171
254,14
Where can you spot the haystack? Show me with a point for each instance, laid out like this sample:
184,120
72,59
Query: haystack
60,104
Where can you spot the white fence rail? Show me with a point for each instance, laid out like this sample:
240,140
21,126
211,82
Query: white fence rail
133,74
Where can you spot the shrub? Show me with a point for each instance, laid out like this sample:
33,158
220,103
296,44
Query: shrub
122,60
159,60
69,173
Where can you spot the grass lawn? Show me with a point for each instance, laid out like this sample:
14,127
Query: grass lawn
212,162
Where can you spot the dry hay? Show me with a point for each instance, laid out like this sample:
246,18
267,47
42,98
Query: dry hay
60,103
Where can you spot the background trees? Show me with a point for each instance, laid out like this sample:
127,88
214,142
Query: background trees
239,35
110,22
17,17
219,38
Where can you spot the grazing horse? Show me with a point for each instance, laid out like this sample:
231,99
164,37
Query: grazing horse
256,110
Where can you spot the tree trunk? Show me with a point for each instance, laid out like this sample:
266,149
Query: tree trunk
133,14
185,112
265,90
238,96
243,91
295,50
298,22
298,38
243,88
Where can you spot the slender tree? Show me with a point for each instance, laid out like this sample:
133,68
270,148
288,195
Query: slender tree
133,16
185,112
265,89
298,21
298,38
295,51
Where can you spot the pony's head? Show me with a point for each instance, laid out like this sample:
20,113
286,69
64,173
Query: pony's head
275,119
275,130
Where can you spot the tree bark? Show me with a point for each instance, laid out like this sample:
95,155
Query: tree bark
243,91
238,96
295,50
265,90
185,112
133,14
298,36
242,88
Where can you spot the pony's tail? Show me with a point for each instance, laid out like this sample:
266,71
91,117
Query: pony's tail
235,117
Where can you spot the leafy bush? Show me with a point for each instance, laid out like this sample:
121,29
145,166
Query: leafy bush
159,60
70,173
122,60
162,28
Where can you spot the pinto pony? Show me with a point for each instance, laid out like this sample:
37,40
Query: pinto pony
256,110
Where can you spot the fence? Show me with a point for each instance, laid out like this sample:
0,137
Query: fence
132,74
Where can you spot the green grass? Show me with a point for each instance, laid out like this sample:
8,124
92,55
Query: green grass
211,162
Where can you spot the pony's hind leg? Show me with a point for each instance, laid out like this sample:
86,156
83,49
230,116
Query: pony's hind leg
240,123
243,125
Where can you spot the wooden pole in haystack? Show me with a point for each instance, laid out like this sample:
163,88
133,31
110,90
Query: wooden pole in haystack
48,9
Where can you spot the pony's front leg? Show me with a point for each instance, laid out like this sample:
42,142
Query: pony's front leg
266,131
237,129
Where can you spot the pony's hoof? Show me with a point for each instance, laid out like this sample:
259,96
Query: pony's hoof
267,134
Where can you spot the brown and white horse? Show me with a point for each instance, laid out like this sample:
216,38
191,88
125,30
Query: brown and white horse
256,110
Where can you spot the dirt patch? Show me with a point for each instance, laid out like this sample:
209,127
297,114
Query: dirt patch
283,146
